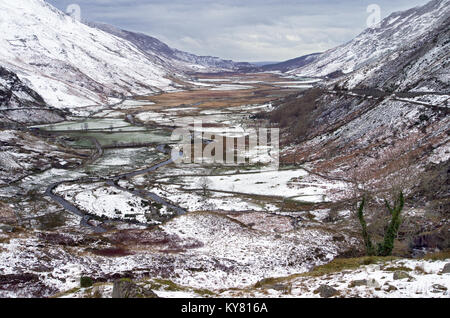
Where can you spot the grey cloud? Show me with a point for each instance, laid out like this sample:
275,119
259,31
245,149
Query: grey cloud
251,30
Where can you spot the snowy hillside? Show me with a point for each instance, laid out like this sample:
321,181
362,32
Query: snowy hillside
177,59
388,118
374,43
419,66
69,63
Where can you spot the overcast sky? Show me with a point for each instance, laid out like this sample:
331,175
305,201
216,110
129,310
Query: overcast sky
242,30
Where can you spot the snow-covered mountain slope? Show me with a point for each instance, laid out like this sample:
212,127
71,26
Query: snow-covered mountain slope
20,104
419,66
180,60
375,43
70,64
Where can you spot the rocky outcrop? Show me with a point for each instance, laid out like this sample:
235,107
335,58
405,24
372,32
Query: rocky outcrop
7,214
401,275
446,269
436,239
20,104
326,291
124,288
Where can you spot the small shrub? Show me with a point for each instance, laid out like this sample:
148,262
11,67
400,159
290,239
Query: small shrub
86,282
370,251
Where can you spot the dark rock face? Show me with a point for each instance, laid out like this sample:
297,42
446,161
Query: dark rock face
58,239
7,215
326,291
15,279
436,239
20,104
25,285
12,85
124,288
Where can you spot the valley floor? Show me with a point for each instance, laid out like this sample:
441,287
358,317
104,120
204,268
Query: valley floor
98,196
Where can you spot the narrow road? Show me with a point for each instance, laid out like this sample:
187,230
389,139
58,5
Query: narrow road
392,96
72,208
112,181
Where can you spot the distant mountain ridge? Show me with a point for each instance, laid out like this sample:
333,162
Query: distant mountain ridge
421,65
181,60
291,64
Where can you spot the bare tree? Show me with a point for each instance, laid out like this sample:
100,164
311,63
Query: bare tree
204,185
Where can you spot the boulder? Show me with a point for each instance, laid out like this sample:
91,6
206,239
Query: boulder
357,283
401,275
446,269
389,288
438,288
326,291
124,288
373,283
5,228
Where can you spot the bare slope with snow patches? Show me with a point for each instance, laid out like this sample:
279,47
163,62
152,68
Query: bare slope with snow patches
374,43
69,63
